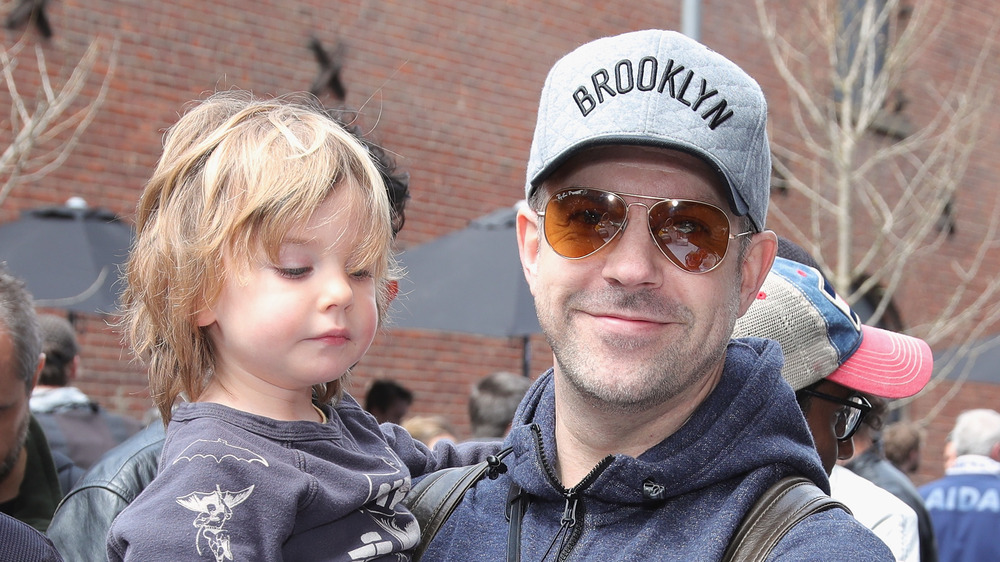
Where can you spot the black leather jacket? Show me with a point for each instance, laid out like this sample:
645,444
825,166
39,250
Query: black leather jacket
80,525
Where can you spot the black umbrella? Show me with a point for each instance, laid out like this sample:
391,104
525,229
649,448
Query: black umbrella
68,256
469,281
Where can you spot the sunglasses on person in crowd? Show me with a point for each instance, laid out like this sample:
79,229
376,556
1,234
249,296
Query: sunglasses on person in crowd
578,221
849,418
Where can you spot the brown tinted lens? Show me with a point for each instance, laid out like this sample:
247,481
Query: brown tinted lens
691,234
578,222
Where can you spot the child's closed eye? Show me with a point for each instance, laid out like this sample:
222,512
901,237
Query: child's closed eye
293,272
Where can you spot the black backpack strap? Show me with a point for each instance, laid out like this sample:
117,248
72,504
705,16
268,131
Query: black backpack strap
782,506
435,496
517,504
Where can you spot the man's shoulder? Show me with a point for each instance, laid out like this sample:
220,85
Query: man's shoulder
957,478
83,517
19,541
127,468
864,497
833,535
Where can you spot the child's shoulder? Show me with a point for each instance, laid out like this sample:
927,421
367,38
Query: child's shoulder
190,429
356,421
348,402
207,426
193,417
347,408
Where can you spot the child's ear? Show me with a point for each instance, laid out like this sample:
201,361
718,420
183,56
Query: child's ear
392,289
205,316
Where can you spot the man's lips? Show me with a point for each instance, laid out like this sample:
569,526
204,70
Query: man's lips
625,317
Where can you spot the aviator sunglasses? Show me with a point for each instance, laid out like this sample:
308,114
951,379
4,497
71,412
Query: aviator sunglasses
579,221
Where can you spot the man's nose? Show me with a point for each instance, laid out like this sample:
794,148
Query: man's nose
634,259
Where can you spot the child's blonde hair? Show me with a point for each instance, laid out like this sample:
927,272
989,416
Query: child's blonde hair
237,173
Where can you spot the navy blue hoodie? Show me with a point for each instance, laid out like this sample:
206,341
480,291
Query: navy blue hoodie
681,500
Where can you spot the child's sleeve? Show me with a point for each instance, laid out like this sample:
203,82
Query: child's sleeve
421,460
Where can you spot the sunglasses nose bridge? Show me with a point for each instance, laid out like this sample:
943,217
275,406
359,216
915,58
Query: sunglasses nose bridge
628,210
651,228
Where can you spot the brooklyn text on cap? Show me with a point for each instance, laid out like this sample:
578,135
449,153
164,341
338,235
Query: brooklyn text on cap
821,337
657,88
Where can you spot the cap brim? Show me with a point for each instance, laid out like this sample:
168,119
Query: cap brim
886,364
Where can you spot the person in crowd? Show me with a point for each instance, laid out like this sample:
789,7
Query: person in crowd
834,363
74,424
493,401
870,463
388,401
82,520
965,503
654,433
260,271
20,542
948,454
32,478
80,525
858,494
902,443
429,429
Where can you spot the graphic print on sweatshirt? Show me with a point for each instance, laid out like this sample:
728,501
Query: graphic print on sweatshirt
381,507
213,508
377,528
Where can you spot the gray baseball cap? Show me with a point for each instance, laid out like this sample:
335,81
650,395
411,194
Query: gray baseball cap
657,88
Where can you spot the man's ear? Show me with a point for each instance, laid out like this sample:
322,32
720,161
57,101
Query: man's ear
528,243
756,265
38,369
73,368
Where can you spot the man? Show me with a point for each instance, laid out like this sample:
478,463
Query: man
653,434
388,401
74,424
832,362
902,443
870,463
429,429
965,504
493,402
30,486
80,524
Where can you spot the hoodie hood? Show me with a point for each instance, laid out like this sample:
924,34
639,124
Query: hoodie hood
749,431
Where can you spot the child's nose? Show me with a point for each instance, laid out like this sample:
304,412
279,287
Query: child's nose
336,291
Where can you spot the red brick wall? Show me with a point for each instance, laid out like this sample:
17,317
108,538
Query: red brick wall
450,87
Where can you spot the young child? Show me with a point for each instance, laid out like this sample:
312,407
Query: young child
258,277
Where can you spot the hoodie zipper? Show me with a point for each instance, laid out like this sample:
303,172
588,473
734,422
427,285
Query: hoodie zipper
570,524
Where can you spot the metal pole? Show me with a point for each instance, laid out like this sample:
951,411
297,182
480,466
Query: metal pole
691,19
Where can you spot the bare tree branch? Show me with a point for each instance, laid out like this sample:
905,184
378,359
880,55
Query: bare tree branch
45,128
875,201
